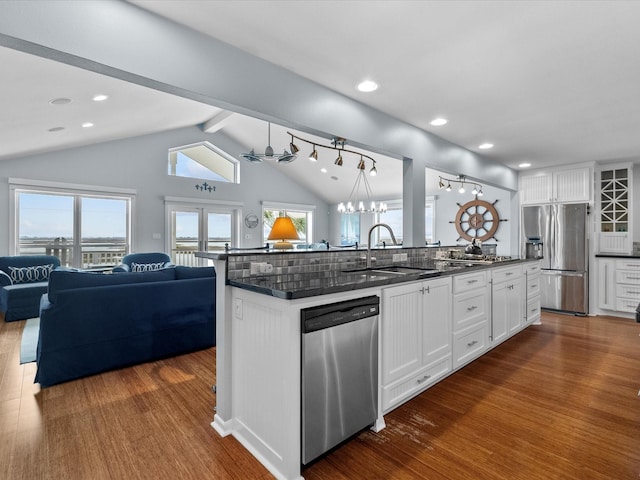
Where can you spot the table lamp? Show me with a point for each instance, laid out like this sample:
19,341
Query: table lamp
283,230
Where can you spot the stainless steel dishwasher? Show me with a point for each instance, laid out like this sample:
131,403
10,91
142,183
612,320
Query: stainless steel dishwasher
339,373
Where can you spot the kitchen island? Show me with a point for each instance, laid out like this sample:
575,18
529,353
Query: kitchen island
259,331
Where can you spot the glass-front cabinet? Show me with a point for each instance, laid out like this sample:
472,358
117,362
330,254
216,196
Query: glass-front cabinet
614,200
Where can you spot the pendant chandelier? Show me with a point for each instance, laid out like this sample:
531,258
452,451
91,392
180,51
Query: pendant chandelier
357,202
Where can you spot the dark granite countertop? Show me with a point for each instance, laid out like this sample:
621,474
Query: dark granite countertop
615,255
301,285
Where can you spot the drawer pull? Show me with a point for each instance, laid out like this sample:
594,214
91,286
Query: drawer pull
471,308
534,310
471,344
534,286
424,379
508,274
469,282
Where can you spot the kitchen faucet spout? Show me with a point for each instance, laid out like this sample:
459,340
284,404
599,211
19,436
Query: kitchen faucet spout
393,238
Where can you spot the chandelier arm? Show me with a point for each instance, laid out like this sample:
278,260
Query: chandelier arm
342,149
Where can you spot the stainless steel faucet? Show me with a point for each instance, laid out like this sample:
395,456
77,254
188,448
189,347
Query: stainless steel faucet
393,237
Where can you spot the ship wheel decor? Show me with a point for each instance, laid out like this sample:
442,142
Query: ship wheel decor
477,219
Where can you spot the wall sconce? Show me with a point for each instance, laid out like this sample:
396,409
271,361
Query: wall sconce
283,230
445,183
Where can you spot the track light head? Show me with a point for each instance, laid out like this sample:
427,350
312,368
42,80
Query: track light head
313,156
338,160
374,171
361,164
293,146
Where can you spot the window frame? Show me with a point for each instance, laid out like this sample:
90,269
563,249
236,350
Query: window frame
77,191
217,150
295,207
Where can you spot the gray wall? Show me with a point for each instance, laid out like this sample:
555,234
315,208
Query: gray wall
140,163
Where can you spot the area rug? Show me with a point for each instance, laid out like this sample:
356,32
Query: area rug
29,340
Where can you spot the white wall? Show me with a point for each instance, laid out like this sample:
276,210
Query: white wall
140,163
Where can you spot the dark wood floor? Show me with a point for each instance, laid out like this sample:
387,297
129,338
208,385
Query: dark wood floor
558,401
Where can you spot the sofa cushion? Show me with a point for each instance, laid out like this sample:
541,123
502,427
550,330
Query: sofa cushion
36,273
146,267
183,272
62,279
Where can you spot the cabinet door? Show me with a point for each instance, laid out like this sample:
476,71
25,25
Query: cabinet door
499,312
572,185
606,284
436,324
401,331
515,302
535,188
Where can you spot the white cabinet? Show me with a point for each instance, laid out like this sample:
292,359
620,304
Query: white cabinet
416,338
606,283
532,293
470,316
614,207
562,186
507,302
627,285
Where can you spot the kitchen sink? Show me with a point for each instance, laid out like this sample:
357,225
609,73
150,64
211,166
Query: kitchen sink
394,270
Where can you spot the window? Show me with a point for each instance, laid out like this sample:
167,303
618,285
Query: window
349,229
301,215
204,161
393,218
83,230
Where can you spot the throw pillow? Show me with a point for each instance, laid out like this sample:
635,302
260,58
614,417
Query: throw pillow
36,273
146,267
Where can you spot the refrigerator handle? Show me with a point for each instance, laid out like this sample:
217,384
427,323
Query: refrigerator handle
552,234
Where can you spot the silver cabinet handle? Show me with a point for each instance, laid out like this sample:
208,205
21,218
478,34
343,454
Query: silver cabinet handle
633,278
471,344
469,282
424,379
471,308
509,274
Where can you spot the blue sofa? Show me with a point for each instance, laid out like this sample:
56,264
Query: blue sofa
23,280
92,322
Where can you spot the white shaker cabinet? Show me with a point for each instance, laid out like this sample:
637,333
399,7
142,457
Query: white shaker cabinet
470,316
416,338
507,305
532,293
562,186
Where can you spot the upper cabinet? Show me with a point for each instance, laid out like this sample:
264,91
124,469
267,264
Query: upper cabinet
614,209
562,186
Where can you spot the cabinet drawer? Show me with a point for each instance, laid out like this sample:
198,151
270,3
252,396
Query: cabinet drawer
469,344
469,281
533,285
469,308
397,392
628,291
628,265
626,305
627,276
531,268
503,274
533,310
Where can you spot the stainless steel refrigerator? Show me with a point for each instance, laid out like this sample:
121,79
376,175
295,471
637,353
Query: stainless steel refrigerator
559,233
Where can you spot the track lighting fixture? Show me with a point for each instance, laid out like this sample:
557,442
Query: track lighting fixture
337,143
294,148
373,172
313,156
253,157
462,180
339,160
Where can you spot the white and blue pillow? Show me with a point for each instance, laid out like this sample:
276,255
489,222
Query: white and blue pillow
146,267
36,273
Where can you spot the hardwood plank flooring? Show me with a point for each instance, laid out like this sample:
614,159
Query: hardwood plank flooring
557,401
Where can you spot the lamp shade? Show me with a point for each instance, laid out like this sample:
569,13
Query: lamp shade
283,230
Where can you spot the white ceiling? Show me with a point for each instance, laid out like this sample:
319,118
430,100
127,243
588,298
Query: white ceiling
547,82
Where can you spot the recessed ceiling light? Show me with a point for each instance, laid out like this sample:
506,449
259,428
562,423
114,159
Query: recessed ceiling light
55,129
436,122
323,170
367,86
101,97
60,101
485,146
525,165
87,125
